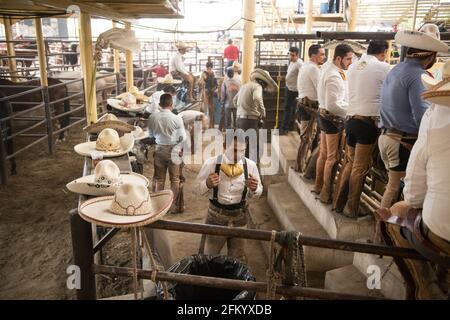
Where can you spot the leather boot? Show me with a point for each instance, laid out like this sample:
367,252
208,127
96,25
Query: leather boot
392,188
310,170
329,172
361,165
302,153
342,185
320,164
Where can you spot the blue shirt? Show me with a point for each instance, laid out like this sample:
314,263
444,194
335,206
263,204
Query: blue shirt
166,127
402,106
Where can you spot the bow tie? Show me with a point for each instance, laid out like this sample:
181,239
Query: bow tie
232,170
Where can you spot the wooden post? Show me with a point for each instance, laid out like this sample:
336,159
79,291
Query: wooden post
129,63
116,56
87,63
41,52
353,15
308,25
389,52
10,47
248,54
416,5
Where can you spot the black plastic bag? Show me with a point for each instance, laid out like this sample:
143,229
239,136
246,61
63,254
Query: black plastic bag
209,266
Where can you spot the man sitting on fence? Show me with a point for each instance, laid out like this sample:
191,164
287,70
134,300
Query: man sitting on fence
178,69
230,180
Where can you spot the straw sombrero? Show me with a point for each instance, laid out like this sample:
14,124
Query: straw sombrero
139,95
168,79
427,39
109,120
131,206
105,180
263,75
127,103
139,134
438,92
108,143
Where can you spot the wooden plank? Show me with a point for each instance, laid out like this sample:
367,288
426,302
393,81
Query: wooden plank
41,52
129,63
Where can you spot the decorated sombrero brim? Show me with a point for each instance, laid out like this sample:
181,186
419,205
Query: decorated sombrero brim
116,104
97,211
88,186
87,148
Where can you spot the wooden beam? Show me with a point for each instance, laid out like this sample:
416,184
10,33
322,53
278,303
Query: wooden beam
41,52
129,63
86,54
353,15
10,47
308,25
248,54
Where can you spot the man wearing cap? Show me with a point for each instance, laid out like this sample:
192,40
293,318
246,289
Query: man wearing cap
307,81
365,78
426,186
402,106
291,91
168,131
230,180
332,91
178,69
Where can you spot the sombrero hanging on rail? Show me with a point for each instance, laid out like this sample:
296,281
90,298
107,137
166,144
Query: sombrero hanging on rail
127,103
109,120
131,206
168,79
105,180
108,143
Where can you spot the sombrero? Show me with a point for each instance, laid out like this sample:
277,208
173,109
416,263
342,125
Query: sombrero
105,180
263,75
427,39
438,92
182,45
168,79
108,142
131,206
139,133
237,67
127,103
139,95
109,120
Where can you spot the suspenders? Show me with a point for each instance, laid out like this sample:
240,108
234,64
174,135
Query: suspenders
216,189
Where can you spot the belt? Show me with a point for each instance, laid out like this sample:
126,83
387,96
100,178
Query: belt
430,234
251,117
364,118
310,103
398,132
228,207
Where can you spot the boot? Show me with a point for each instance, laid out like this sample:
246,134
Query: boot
342,185
332,152
302,153
320,164
361,165
392,188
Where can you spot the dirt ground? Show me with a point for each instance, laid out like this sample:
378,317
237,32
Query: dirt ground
35,237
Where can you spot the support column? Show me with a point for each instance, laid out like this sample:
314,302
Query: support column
116,56
353,15
248,54
308,25
10,47
87,63
41,52
416,5
129,63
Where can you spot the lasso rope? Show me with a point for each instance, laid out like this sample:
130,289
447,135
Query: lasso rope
271,276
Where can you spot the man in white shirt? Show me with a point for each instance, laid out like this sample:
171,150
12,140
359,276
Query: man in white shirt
168,130
291,91
365,79
307,81
230,180
178,69
332,92
426,186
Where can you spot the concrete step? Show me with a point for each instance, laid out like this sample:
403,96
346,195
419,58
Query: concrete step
293,215
348,279
392,285
285,149
336,225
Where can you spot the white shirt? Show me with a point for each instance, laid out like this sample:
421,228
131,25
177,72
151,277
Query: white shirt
427,181
166,127
189,116
153,103
332,91
229,189
307,80
177,64
365,79
292,74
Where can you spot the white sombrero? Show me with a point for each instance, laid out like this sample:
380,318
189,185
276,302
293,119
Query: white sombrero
237,67
131,206
139,95
168,79
105,180
108,143
127,103
438,92
109,120
263,75
182,45
427,39
139,133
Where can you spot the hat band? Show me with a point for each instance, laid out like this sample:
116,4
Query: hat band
131,210
432,94
100,145
420,54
